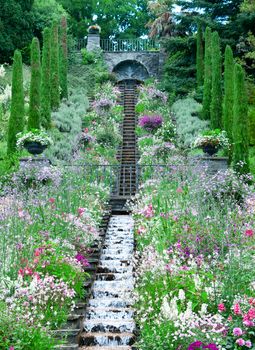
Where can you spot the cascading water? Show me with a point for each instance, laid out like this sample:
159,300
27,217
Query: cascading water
109,322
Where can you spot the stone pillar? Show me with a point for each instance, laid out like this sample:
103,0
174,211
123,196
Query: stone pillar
93,42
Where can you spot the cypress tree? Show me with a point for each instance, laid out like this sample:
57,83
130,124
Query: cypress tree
207,75
45,88
55,95
228,91
200,56
63,58
34,119
240,123
16,120
216,101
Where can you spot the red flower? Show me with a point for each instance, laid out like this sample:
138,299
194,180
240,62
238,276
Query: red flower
52,200
249,233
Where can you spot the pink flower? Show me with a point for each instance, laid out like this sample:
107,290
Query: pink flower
51,200
179,190
240,342
237,332
81,211
248,323
221,307
251,314
141,230
86,130
249,233
237,309
230,318
38,252
11,348
248,344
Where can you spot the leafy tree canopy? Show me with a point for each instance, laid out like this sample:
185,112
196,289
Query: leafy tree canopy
16,27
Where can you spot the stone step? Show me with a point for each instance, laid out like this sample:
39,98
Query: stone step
97,338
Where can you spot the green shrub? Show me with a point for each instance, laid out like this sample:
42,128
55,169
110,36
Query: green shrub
240,123
16,120
46,76
251,125
207,75
63,60
108,136
228,91
55,91
189,125
34,119
88,57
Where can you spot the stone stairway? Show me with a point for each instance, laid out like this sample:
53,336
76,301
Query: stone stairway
108,323
128,154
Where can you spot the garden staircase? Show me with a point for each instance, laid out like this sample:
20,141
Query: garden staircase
127,179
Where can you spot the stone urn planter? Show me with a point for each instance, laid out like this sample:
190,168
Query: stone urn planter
210,149
34,147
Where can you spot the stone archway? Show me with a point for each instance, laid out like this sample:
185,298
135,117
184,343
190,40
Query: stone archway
131,70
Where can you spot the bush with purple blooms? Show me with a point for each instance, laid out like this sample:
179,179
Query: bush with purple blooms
151,123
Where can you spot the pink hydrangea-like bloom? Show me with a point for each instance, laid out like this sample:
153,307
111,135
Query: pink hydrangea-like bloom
237,332
240,342
221,307
248,344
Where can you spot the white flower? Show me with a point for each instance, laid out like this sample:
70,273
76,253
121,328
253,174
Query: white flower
181,295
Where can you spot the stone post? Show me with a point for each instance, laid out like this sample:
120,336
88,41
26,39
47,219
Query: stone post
93,42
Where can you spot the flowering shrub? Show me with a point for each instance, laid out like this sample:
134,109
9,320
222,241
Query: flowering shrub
150,122
34,135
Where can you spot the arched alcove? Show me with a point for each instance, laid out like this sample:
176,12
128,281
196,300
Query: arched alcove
130,69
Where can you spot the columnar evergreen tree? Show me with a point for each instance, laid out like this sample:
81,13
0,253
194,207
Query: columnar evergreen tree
200,56
240,122
216,101
46,79
63,58
34,119
55,94
228,91
207,74
16,121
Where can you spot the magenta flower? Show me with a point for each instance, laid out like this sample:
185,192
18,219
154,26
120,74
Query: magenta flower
249,233
248,344
195,345
237,332
81,258
221,307
11,348
240,342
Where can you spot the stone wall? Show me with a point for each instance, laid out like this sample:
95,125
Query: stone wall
152,61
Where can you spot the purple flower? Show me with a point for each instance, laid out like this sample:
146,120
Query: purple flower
81,258
237,332
151,122
195,345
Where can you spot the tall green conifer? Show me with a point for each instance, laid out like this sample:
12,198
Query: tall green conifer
216,101
16,120
228,100
207,75
63,58
34,119
200,56
55,94
240,123
46,79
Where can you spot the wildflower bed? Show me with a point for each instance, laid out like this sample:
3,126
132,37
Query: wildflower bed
195,238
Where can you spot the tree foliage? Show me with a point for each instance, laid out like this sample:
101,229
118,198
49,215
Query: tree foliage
207,75
46,79
35,87
200,56
16,27
16,120
216,101
228,91
240,123
63,59
55,93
